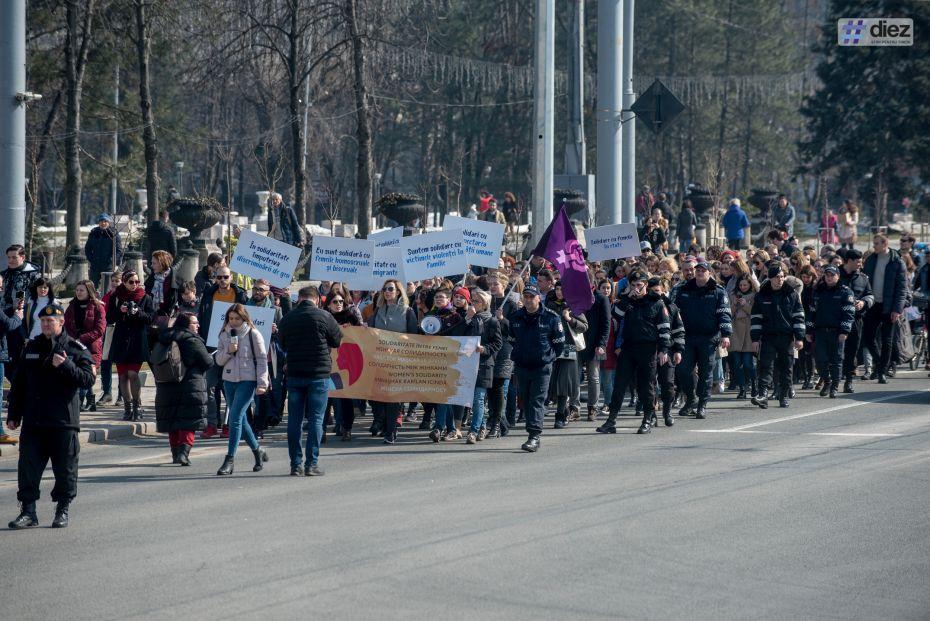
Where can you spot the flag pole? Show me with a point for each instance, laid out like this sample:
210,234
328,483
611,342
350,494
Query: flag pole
519,277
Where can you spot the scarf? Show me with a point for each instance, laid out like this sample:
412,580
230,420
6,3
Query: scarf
158,289
125,295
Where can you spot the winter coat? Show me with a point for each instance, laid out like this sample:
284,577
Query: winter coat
687,221
503,365
182,406
205,314
202,281
160,237
130,343
833,308
91,332
598,318
537,338
8,325
410,320
776,314
18,280
496,216
705,310
491,341
284,225
249,363
306,335
575,324
170,293
894,288
734,222
99,248
644,320
740,340
784,218
861,288
677,330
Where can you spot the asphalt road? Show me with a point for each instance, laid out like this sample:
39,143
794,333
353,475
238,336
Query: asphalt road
817,511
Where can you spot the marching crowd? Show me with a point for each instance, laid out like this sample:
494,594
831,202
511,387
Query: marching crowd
667,332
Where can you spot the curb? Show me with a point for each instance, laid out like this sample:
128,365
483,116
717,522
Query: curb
97,433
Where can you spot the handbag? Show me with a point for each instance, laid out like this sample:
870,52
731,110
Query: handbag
578,339
107,342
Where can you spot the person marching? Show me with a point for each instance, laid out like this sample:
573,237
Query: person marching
645,341
44,398
666,371
705,312
776,324
538,339
851,276
831,319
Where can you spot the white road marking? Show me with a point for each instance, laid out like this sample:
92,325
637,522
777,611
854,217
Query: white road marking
807,433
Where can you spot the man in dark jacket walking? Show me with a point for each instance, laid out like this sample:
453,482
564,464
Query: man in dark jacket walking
44,398
828,326
283,223
103,248
687,222
161,237
776,324
306,335
888,275
851,276
538,339
595,350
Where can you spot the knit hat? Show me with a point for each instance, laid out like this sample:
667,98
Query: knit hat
104,217
465,293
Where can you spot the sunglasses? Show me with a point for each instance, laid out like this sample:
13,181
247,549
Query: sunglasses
223,277
337,301
389,289
261,289
132,282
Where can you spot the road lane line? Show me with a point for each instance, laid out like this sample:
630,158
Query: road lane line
802,433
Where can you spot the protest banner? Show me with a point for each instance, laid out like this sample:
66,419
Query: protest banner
259,256
614,241
262,318
483,240
342,259
388,263
440,253
393,367
389,238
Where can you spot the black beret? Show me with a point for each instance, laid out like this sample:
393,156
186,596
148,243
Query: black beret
52,310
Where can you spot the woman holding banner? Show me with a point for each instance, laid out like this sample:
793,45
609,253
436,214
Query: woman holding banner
344,410
392,313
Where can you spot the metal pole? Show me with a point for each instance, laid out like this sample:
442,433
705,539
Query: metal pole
113,181
628,182
575,146
12,123
544,117
609,103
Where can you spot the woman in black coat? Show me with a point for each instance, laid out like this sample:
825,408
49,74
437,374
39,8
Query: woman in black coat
565,383
491,341
181,408
131,311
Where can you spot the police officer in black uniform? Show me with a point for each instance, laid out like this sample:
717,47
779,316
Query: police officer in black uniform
853,277
666,372
538,338
705,312
644,344
776,325
44,398
828,325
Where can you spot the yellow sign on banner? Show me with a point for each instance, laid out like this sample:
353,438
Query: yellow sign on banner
392,367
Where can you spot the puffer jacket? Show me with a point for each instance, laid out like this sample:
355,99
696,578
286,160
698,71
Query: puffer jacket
832,308
491,341
250,361
182,406
92,331
777,313
705,310
894,290
503,365
740,340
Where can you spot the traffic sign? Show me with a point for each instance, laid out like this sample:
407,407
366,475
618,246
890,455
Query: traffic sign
657,107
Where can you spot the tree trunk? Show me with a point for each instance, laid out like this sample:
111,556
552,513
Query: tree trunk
363,125
294,83
76,46
143,45
723,106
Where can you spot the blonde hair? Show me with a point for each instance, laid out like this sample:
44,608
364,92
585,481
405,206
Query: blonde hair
164,258
402,298
484,296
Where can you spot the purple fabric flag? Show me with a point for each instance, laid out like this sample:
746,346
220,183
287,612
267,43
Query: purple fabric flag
560,246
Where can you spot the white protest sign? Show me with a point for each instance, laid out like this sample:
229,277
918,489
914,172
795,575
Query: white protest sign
388,263
259,256
342,259
440,253
389,238
483,240
262,318
614,241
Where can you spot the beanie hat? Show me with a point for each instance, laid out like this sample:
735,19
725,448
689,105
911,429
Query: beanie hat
465,293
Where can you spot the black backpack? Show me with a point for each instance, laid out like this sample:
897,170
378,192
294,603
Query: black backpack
166,363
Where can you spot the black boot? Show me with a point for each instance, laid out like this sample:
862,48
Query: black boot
91,402
174,454
531,445
646,426
127,410
226,468
825,389
61,515
260,456
688,408
833,388
136,411
184,454
761,400
701,412
610,425
741,394
848,386
667,414
27,517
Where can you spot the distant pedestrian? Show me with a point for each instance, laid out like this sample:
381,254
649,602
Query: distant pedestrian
131,312
735,221
86,321
160,236
103,248
687,222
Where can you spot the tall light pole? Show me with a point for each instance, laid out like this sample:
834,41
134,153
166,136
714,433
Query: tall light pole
13,122
628,181
609,103
543,117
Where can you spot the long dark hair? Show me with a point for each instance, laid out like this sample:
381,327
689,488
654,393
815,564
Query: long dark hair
42,282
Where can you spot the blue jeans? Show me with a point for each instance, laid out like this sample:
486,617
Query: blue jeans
683,245
106,376
607,383
477,409
239,396
443,420
744,367
305,395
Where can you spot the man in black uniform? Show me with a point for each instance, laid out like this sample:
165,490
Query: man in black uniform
44,398
852,277
777,324
830,320
666,372
644,342
538,338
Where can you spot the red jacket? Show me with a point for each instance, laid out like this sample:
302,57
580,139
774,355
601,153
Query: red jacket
91,333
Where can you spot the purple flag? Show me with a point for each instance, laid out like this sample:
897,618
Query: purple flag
560,246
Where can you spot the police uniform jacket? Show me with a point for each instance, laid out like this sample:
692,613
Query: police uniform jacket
832,308
645,320
776,313
861,288
537,338
44,396
705,310
677,332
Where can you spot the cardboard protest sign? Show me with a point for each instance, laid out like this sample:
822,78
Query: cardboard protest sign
389,238
259,256
397,368
483,240
262,318
342,259
388,263
440,253
614,241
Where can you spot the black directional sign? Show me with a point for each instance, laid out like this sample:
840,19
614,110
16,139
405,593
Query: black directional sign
657,107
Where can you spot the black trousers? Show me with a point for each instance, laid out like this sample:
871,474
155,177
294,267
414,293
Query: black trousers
877,335
36,447
497,401
698,351
532,387
828,350
666,375
637,364
776,359
387,413
851,348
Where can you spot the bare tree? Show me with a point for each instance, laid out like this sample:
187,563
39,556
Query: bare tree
143,47
79,18
363,128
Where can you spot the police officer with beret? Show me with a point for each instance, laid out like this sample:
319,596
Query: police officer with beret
828,327
538,339
44,399
853,277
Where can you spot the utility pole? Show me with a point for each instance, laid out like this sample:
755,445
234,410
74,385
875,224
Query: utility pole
543,117
12,122
113,181
628,130
575,147
609,103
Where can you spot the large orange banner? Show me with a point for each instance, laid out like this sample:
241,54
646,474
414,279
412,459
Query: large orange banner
393,367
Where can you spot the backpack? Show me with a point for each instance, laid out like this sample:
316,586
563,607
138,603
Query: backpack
166,363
